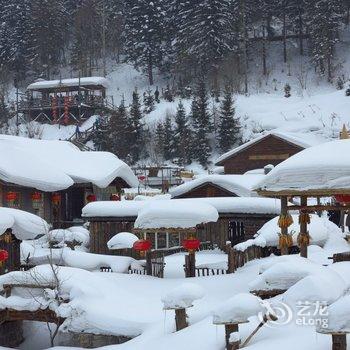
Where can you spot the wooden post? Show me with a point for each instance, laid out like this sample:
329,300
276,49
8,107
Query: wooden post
149,263
180,319
231,328
338,341
284,230
304,236
190,264
230,259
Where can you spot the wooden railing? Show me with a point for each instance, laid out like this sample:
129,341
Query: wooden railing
207,271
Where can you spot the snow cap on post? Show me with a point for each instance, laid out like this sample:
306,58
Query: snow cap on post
122,240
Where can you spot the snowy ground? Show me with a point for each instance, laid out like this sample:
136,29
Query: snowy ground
131,304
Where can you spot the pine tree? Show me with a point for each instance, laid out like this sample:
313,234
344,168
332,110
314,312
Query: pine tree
182,136
148,102
201,124
143,39
159,141
168,139
324,22
136,126
229,128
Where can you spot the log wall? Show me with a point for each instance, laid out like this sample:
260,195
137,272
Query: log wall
269,150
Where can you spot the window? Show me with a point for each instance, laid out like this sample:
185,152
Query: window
236,231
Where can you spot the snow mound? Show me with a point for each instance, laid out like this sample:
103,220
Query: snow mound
338,317
282,273
24,225
122,240
183,296
172,214
69,235
238,309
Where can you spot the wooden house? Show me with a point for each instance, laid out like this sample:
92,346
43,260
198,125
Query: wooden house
239,219
55,180
271,148
65,101
218,186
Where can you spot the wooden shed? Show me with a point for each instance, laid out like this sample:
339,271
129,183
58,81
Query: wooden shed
218,186
272,148
239,219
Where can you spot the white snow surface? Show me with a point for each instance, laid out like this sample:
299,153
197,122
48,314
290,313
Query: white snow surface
182,296
84,81
80,235
242,205
172,214
325,166
24,225
122,240
238,309
56,165
240,185
299,139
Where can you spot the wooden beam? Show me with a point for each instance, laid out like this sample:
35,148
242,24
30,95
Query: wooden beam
313,208
303,238
308,193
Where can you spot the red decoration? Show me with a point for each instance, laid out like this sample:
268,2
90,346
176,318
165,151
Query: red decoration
66,110
142,178
11,198
114,197
142,245
36,196
191,244
56,199
4,255
342,198
91,198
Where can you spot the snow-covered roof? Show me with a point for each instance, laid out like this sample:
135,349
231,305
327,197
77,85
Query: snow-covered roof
322,167
24,225
239,205
241,185
298,139
84,81
122,240
56,165
174,214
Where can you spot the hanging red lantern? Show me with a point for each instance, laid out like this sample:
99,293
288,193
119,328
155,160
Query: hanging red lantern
342,198
56,199
191,244
142,245
91,198
114,197
4,255
11,198
36,199
141,178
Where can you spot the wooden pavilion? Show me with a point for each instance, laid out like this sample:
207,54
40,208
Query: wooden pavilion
302,180
65,101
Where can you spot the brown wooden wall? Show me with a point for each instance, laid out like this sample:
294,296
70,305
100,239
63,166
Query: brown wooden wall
207,190
269,150
216,232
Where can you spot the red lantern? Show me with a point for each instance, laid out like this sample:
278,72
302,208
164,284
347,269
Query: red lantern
56,199
142,245
114,197
342,198
142,178
4,255
36,199
11,198
91,198
191,244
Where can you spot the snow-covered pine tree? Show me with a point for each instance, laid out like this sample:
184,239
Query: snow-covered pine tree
48,34
201,124
159,141
229,128
15,36
137,146
204,31
182,136
143,34
168,139
324,18
148,102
